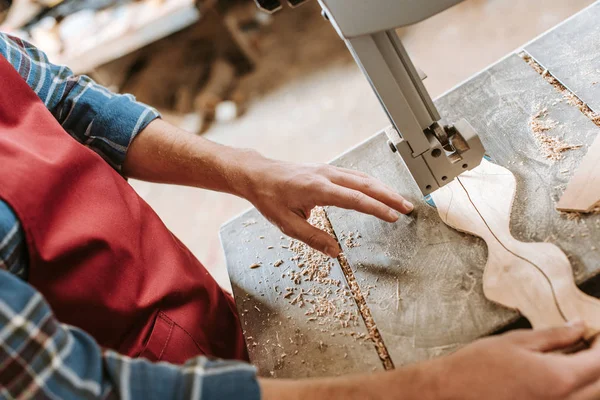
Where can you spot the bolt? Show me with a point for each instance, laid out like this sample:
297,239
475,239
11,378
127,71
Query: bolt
392,146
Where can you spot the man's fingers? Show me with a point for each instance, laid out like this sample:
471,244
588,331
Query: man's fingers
585,365
356,200
374,189
298,228
546,340
352,172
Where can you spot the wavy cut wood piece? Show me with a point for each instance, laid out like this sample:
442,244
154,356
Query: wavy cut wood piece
534,278
583,192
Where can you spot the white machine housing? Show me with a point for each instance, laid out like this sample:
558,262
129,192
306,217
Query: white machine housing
434,154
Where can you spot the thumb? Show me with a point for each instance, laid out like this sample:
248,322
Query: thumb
547,340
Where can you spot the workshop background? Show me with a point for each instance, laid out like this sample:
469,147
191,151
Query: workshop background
284,85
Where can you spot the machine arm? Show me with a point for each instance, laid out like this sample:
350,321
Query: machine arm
434,154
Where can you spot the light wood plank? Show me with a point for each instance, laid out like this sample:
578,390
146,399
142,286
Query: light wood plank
534,278
583,192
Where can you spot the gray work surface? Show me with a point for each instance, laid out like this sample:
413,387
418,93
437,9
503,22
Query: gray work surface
571,54
424,279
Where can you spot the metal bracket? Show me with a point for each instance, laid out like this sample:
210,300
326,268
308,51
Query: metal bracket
438,167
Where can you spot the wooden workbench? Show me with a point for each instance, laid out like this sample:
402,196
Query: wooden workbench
425,279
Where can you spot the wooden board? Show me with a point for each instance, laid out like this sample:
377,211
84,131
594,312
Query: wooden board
571,53
427,297
274,328
534,278
583,192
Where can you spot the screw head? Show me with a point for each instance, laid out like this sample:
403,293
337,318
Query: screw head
392,146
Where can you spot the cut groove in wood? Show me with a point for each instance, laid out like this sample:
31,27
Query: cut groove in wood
363,308
533,278
583,192
569,95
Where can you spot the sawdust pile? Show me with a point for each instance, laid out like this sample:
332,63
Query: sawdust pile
324,304
315,266
552,147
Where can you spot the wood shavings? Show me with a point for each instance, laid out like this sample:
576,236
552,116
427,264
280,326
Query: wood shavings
299,300
314,265
552,147
365,312
567,94
356,292
327,302
571,216
289,293
576,216
351,240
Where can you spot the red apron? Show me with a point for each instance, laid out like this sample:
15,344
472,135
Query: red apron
98,253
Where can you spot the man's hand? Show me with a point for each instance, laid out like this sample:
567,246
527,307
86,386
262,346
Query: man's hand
285,194
524,365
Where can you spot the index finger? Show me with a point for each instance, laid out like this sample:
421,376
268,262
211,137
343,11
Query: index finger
372,188
350,199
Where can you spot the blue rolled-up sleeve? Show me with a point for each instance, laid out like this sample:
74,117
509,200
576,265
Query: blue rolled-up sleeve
104,121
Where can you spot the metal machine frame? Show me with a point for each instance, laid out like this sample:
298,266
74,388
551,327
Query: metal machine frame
434,154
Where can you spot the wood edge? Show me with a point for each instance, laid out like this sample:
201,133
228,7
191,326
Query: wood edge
574,209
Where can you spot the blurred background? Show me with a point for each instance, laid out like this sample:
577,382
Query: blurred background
284,85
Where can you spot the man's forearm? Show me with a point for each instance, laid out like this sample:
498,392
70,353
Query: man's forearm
285,193
44,359
163,153
403,384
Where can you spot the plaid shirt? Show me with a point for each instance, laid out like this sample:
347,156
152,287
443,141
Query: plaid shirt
41,358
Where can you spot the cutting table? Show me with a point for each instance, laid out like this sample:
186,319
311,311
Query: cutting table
422,281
